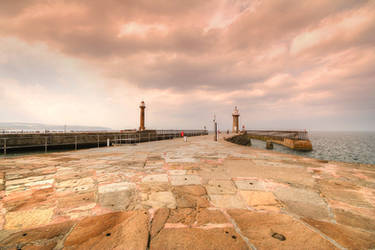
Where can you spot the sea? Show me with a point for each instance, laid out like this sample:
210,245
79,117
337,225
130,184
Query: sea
357,147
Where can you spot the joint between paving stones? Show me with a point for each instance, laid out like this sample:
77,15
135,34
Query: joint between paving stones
238,230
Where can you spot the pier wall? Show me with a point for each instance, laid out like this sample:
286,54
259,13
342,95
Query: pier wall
299,145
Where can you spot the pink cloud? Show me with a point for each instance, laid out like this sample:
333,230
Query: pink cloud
266,55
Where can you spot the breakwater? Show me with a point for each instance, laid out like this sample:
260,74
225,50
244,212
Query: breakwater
170,194
240,140
76,140
296,140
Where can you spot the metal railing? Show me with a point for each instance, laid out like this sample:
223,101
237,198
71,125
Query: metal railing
280,134
87,139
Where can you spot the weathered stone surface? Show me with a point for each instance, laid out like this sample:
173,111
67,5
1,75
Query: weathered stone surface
220,187
251,169
28,218
346,236
250,184
178,180
160,217
161,199
262,230
73,200
116,196
120,230
30,199
193,196
40,246
260,200
155,178
227,201
351,197
195,190
45,189
354,220
40,235
177,172
195,238
185,216
208,216
303,202
76,185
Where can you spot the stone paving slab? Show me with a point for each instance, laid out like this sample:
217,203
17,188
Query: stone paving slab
173,194
274,230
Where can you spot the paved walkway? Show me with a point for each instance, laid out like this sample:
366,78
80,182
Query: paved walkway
172,194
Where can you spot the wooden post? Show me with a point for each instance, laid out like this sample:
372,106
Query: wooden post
75,143
45,144
98,141
149,137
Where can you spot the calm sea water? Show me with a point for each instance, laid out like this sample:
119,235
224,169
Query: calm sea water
358,147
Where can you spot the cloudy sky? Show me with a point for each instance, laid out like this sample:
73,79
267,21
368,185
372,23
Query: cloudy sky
286,64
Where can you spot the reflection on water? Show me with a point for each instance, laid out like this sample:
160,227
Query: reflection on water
356,147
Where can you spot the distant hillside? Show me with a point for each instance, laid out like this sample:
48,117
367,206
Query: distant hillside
41,127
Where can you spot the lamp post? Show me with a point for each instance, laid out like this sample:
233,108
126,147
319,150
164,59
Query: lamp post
215,128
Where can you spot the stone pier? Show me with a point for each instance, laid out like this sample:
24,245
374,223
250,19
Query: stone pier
173,194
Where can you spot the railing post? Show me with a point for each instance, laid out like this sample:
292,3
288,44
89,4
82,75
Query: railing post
5,146
45,144
148,137
75,143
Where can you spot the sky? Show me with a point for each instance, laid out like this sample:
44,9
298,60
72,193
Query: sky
286,64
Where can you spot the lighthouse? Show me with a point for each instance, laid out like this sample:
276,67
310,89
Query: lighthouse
236,116
142,106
